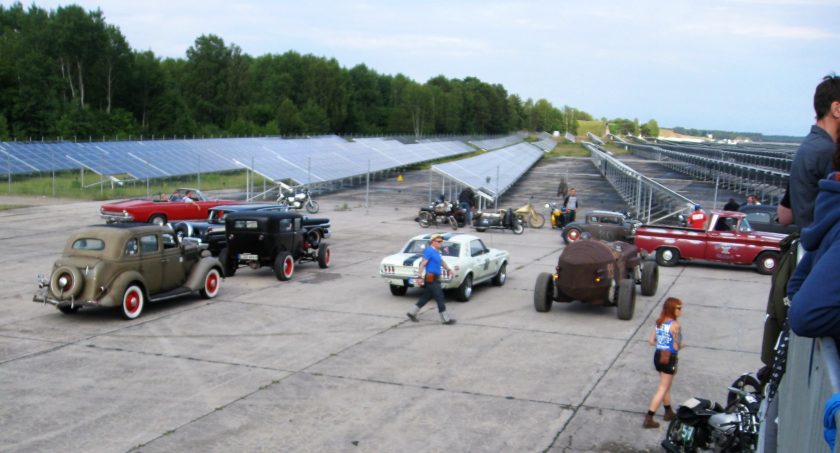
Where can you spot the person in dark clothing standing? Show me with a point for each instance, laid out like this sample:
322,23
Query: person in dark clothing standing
731,205
812,161
466,201
571,205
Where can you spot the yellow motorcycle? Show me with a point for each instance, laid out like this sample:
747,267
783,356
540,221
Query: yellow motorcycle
528,215
559,215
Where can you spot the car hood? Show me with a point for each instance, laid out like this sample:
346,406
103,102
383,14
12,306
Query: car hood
767,236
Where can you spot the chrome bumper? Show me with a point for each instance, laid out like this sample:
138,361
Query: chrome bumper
43,297
116,217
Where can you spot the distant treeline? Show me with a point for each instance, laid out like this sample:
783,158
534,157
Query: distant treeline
729,135
66,72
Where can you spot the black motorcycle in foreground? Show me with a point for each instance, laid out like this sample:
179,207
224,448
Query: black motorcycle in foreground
441,213
705,425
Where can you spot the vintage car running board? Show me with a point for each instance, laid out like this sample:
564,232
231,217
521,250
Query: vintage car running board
178,292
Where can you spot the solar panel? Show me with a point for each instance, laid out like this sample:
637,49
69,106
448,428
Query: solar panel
494,172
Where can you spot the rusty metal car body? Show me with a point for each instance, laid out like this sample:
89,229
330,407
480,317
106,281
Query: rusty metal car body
597,272
127,265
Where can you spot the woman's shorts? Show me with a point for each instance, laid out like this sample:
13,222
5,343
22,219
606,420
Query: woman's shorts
668,368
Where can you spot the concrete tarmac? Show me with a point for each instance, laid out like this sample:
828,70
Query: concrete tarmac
329,362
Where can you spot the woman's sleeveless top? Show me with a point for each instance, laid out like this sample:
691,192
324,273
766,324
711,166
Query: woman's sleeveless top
664,339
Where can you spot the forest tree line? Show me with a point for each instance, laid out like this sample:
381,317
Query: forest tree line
68,73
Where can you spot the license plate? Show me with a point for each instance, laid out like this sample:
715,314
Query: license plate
248,257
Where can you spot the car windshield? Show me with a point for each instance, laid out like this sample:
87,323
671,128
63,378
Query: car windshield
217,216
447,249
89,244
745,226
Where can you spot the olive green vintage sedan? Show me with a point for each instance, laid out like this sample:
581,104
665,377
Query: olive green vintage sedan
127,265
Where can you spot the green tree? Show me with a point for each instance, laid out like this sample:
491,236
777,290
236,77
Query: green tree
650,129
289,120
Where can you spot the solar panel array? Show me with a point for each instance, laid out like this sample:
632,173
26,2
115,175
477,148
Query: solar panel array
304,161
496,143
494,172
546,144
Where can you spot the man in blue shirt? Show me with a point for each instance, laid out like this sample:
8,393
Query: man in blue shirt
813,159
433,264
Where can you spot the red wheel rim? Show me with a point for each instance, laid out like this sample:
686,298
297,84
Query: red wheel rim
288,266
328,257
132,302
212,283
573,235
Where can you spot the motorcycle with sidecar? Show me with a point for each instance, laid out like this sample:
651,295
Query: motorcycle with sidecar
504,219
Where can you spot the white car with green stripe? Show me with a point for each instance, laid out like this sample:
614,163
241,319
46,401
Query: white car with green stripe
472,262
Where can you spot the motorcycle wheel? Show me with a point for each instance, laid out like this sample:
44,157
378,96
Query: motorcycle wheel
517,227
424,219
312,206
536,220
453,223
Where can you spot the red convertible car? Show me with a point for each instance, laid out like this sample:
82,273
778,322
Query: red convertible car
183,204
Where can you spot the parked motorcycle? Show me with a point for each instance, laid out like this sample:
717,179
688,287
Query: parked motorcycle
299,201
528,214
706,425
559,219
441,213
503,220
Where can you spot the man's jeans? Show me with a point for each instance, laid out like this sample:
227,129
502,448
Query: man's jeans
467,212
430,290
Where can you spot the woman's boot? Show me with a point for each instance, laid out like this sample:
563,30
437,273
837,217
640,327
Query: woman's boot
649,422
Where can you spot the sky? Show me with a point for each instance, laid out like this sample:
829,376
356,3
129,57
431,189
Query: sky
735,65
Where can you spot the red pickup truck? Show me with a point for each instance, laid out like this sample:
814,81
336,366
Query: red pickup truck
728,238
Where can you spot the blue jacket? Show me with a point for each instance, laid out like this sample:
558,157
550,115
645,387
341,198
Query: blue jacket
814,287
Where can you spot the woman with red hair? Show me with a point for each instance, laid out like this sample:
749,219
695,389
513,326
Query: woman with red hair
668,341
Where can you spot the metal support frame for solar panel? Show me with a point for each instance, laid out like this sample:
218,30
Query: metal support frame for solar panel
648,200
768,185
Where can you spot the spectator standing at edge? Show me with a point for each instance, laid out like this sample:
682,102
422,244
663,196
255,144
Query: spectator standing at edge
697,219
814,289
753,200
571,205
466,201
813,158
667,338
433,263
731,205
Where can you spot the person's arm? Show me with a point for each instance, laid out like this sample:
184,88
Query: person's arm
420,271
815,308
652,337
677,334
783,210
